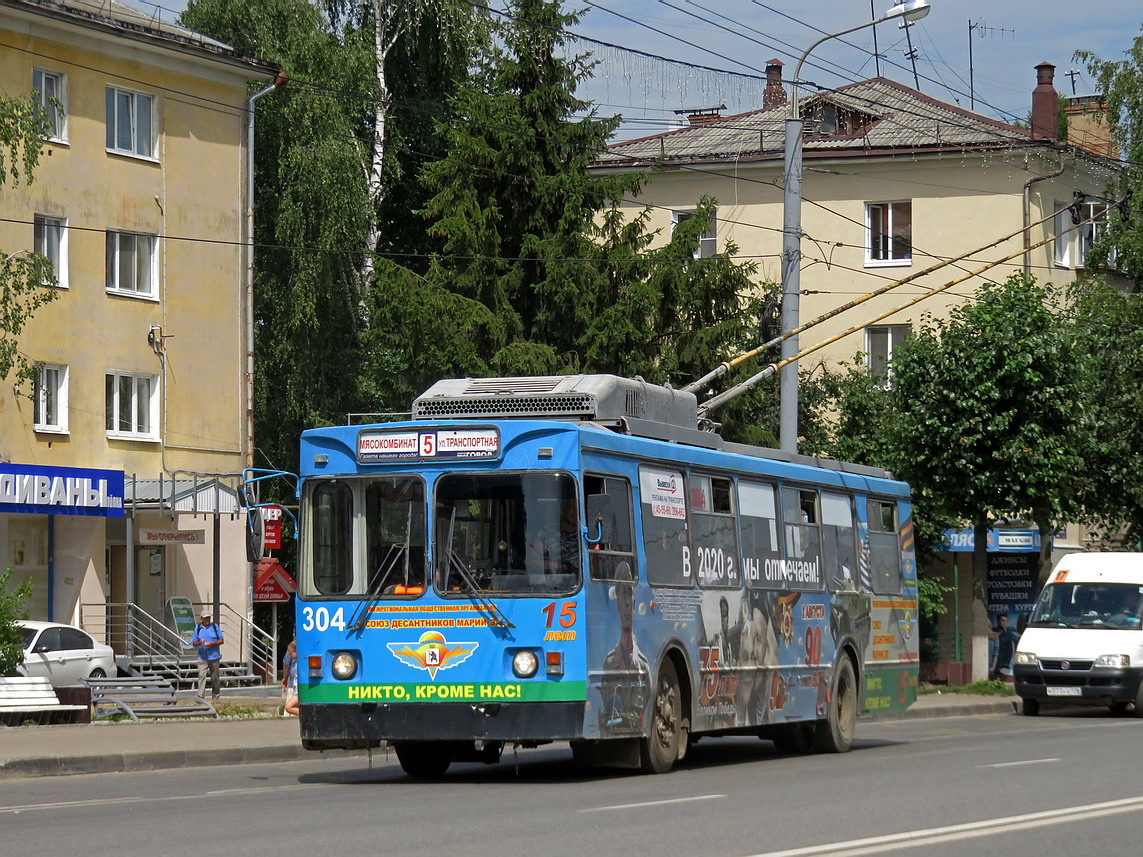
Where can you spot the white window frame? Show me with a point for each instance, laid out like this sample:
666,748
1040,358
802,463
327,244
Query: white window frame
892,210
1091,232
119,385
1062,243
878,364
118,100
118,281
49,239
57,114
49,393
708,241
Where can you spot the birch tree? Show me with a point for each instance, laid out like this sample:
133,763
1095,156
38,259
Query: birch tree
25,277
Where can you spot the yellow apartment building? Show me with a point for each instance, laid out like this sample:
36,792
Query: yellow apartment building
119,472
894,182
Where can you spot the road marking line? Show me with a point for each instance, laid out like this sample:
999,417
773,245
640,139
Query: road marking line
128,799
970,830
1018,764
652,803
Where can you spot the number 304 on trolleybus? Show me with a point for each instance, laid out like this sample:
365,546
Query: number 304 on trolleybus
571,558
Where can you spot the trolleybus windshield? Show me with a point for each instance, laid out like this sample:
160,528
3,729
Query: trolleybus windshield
514,533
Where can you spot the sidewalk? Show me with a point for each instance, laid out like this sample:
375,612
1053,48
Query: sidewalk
42,751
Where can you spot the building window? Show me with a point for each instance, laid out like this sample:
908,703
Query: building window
50,398
50,98
889,231
131,405
708,241
1062,228
131,263
130,122
1091,232
881,342
50,241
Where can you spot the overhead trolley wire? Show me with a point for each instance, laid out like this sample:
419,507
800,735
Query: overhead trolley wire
772,369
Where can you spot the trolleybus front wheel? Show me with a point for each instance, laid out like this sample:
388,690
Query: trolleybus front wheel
659,750
835,733
425,760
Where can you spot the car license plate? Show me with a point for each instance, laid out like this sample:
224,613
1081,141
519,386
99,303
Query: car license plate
1064,691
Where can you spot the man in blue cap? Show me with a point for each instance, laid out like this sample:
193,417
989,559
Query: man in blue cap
208,638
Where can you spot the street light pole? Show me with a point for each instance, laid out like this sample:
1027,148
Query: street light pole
909,10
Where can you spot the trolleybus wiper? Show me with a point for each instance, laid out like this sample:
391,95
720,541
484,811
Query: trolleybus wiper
394,553
388,562
495,618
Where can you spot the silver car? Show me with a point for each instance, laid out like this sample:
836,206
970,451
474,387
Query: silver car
64,654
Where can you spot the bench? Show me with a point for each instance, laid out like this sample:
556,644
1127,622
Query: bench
143,697
24,698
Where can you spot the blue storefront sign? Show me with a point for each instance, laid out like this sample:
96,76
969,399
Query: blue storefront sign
999,541
42,490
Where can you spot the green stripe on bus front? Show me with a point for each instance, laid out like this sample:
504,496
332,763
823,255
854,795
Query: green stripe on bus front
482,691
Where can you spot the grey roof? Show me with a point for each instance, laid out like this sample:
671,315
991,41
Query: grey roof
895,118
156,26
201,495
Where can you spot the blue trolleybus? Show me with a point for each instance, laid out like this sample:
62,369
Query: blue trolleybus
570,558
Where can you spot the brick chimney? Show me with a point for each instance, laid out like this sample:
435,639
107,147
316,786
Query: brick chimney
1045,104
774,95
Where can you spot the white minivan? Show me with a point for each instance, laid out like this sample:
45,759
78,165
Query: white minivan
1084,640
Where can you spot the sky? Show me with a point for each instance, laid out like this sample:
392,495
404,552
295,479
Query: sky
1008,39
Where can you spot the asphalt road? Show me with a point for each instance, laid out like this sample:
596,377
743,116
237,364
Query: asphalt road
1007,784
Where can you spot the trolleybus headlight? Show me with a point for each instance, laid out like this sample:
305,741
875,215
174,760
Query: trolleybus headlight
344,665
1117,661
1026,658
524,664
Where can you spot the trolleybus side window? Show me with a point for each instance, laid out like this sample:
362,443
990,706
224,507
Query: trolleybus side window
839,547
331,537
395,536
802,569
884,547
662,501
758,516
607,500
714,532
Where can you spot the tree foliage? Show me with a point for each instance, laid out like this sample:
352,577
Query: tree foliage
539,268
989,407
11,611
1109,329
24,276
312,213
1120,82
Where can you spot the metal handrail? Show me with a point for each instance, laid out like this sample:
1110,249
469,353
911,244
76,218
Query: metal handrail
136,635
255,645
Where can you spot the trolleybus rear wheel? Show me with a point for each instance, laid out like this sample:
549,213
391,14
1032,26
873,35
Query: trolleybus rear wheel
835,733
424,759
659,750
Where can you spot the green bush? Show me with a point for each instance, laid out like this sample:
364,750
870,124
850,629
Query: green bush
11,611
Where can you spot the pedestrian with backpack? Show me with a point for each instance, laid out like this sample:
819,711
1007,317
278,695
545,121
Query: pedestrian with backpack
208,638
